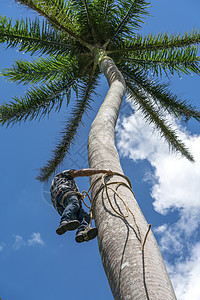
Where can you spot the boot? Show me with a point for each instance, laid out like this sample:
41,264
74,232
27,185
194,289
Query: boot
67,225
86,235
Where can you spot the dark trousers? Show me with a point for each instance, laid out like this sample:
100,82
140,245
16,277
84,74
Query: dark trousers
72,211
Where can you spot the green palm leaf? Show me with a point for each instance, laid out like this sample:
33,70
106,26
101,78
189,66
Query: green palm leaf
168,61
58,14
42,69
160,94
156,42
84,17
153,115
104,18
68,135
33,36
37,102
130,13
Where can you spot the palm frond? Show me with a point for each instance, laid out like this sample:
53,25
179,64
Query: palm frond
105,6
104,16
37,102
82,105
156,42
81,11
160,94
90,21
58,14
152,114
168,61
33,36
42,69
85,10
131,13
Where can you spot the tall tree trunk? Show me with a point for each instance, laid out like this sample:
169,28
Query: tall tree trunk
132,272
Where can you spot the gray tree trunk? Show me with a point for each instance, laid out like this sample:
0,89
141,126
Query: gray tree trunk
132,273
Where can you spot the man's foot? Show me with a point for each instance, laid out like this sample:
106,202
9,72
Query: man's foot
67,225
86,235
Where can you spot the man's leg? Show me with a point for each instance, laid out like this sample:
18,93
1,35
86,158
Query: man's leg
84,232
69,220
72,206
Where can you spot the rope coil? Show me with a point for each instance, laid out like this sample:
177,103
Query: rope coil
107,187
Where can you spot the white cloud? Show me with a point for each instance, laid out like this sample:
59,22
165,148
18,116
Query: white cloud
185,276
160,229
19,242
35,239
1,247
176,180
177,237
170,238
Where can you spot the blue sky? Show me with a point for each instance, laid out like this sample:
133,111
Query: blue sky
37,263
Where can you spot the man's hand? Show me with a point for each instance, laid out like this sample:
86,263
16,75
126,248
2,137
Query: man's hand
110,172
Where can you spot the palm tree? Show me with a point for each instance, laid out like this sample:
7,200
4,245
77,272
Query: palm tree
80,40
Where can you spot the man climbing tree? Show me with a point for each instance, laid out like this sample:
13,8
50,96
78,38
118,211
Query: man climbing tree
66,199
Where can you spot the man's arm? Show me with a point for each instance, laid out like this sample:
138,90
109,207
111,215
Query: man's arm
88,172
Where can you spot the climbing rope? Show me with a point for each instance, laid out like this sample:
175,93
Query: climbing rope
107,187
